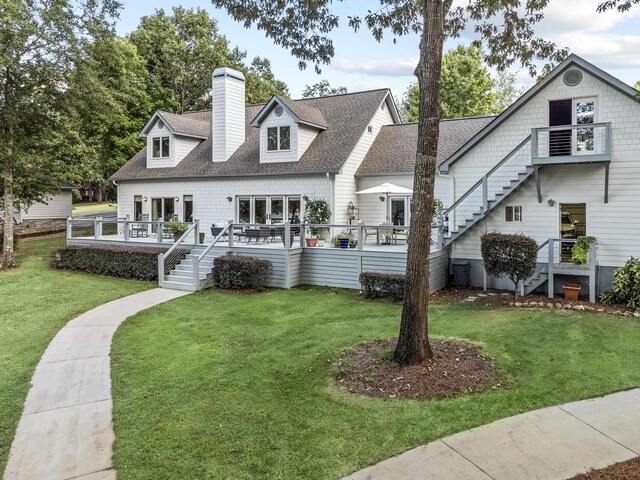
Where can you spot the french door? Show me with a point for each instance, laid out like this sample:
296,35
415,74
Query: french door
400,210
162,209
576,141
263,209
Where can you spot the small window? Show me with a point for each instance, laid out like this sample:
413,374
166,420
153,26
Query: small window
165,146
156,148
513,213
278,138
370,129
160,147
285,138
188,208
137,207
272,138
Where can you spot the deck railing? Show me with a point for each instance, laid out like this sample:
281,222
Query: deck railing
99,228
589,142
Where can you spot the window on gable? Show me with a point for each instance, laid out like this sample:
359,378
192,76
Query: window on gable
513,213
278,138
160,147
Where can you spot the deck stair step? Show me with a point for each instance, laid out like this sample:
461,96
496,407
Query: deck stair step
181,276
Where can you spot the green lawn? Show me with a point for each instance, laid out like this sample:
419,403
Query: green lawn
36,302
85,209
229,386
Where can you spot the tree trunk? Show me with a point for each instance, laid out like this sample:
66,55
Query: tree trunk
413,342
7,251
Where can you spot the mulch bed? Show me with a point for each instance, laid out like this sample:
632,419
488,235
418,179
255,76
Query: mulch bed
629,470
457,367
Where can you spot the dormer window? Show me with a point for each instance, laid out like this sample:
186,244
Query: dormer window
160,147
278,138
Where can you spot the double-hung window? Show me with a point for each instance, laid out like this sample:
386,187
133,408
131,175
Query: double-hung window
278,138
513,213
160,147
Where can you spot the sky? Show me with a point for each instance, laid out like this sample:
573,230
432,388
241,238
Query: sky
609,40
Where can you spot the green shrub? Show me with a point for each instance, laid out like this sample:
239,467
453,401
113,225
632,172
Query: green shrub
135,263
626,285
317,211
580,252
511,255
375,285
236,272
76,196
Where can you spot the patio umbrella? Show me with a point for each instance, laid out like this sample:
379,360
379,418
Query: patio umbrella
386,189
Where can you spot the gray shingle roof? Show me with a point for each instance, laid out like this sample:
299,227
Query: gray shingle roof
306,113
194,124
394,149
347,117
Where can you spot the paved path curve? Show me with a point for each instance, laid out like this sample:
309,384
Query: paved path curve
65,430
553,443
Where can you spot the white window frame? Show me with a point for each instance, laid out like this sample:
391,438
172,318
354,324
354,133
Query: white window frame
161,140
278,128
515,218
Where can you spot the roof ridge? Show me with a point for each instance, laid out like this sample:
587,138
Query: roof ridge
340,94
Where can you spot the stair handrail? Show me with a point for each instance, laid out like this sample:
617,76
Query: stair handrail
174,247
485,177
198,258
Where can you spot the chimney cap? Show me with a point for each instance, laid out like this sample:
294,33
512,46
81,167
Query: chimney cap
228,72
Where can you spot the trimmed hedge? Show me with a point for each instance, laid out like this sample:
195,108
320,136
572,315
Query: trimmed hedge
511,255
375,284
236,272
135,263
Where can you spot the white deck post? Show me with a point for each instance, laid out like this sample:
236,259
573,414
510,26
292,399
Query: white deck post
69,227
360,235
160,267
230,232
287,237
159,230
97,226
196,273
126,228
303,231
550,268
592,273
196,231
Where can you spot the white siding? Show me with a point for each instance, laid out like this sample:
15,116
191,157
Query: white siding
373,211
183,147
210,204
345,181
228,110
306,135
616,224
57,206
169,161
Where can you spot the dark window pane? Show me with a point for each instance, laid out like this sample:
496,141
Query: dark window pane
508,214
137,207
188,208
272,138
165,146
156,147
285,138
244,210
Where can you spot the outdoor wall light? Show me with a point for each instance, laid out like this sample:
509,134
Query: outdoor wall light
305,197
229,198
381,197
176,198
551,202
145,198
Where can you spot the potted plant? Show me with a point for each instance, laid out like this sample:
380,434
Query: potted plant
353,242
342,240
176,228
580,252
571,291
316,212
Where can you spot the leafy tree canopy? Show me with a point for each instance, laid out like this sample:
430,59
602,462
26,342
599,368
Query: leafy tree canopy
467,88
322,89
182,49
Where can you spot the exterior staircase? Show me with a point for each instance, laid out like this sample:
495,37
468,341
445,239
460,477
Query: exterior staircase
490,191
181,276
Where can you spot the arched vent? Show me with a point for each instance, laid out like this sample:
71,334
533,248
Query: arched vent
573,77
278,110
160,124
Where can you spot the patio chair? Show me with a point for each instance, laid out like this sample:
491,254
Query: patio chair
370,232
215,231
386,233
252,233
140,229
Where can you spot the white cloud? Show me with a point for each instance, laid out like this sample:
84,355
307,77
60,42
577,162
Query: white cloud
394,67
562,17
605,51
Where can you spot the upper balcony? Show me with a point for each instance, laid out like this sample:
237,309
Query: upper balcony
586,143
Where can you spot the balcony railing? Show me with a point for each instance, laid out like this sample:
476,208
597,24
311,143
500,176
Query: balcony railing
586,143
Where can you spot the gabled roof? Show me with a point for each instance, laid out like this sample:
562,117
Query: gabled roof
572,60
301,112
185,125
347,117
394,149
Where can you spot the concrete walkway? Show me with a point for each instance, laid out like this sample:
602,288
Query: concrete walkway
553,443
65,430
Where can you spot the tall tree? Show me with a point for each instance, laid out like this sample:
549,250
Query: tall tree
467,88
181,51
107,105
322,89
505,27
39,42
